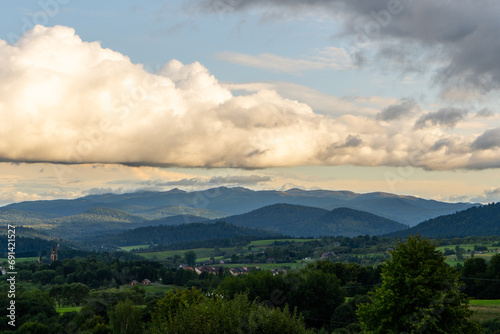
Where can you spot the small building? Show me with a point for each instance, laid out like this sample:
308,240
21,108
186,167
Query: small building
277,271
146,282
328,255
134,282
239,270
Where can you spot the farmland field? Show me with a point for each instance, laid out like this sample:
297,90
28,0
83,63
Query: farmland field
22,259
485,310
61,310
200,253
259,243
129,248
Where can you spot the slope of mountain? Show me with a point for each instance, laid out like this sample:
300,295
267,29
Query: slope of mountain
165,235
282,218
177,220
351,223
297,220
233,201
479,221
97,221
24,217
100,215
166,211
405,209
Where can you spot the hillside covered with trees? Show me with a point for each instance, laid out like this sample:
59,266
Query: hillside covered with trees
476,221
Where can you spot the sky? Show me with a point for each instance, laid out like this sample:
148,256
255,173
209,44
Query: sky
396,96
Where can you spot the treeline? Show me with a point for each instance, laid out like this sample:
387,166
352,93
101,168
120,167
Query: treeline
26,247
167,235
482,278
317,293
95,271
481,220
212,243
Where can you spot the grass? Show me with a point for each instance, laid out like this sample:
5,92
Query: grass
62,310
485,310
154,289
21,259
129,248
484,302
204,254
452,259
200,253
260,243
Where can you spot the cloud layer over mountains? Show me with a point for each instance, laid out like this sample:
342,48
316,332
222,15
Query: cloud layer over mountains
67,101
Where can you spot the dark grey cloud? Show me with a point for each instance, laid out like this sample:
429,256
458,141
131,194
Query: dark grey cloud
488,196
352,141
462,35
484,113
447,117
489,139
396,111
440,144
493,192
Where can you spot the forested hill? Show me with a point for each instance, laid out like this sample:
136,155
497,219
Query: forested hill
478,221
181,233
351,223
282,218
303,221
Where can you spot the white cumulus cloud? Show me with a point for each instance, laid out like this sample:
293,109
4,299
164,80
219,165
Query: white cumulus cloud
64,100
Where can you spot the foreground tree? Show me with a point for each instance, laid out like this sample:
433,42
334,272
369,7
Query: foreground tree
125,318
420,293
189,311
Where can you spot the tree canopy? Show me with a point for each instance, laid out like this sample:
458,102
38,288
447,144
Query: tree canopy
420,293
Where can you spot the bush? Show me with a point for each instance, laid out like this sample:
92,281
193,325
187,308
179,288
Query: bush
189,311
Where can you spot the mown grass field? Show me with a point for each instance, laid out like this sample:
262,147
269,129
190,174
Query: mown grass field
452,259
483,302
153,289
260,243
204,254
129,248
468,247
62,310
201,253
485,310
21,259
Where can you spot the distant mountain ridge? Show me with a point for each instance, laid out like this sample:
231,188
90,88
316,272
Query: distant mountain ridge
222,201
478,221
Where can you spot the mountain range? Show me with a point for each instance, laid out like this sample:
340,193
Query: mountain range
293,212
222,201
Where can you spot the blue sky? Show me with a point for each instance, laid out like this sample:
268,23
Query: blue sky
365,96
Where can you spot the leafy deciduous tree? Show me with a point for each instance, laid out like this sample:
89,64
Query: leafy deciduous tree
420,293
125,318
